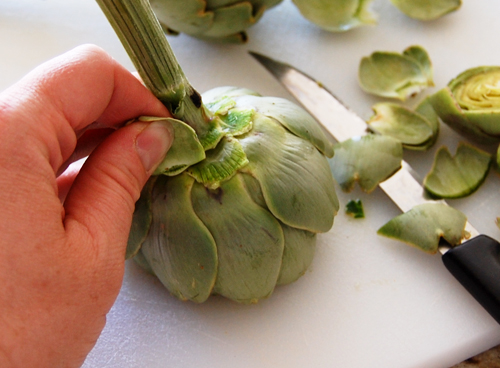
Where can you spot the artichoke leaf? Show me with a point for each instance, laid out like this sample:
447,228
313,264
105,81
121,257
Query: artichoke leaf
425,109
299,247
179,248
424,225
185,150
141,220
427,9
337,15
249,240
218,97
368,160
395,75
459,176
409,127
298,254
294,176
292,117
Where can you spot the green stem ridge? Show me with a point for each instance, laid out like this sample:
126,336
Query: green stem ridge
142,37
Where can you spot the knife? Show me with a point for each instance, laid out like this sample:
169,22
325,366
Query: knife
475,263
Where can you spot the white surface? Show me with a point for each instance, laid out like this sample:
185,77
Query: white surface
367,301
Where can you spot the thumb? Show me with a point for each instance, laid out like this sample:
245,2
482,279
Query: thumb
103,195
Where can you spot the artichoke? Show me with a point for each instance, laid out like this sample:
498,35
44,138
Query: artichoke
337,15
237,202
222,20
470,103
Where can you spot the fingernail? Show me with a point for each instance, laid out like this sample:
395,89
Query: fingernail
153,143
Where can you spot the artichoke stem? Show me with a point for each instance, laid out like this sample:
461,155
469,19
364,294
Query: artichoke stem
142,37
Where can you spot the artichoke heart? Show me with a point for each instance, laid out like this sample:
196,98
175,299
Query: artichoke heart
215,20
470,103
245,217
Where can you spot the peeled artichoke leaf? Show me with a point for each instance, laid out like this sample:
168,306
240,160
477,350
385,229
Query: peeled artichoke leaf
425,109
221,163
401,123
424,225
421,57
337,15
180,249
292,117
393,75
427,9
368,160
185,150
459,176
249,240
141,220
294,176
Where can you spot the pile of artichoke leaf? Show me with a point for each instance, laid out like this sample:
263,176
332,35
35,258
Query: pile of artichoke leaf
235,207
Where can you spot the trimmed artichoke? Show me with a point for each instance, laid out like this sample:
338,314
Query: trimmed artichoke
235,212
470,104
216,20
337,15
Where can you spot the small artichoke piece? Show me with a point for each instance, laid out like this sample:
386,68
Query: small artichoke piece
411,128
427,9
470,104
424,226
354,208
216,20
394,75
368,160
337,15
459,176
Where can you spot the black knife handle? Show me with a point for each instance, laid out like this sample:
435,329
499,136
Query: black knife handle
476,265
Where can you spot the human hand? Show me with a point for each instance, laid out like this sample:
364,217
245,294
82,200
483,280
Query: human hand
62,263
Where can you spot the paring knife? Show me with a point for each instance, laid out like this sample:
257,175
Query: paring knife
475,263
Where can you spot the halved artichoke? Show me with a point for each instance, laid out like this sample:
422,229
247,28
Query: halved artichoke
216,20
235,212
470,104
337,15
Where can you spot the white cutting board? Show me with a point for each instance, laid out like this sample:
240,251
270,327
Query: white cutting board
367,301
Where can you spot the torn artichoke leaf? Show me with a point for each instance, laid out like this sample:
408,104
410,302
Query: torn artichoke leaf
354,208
412,129
426,10
368,160
470,104
425,225
337,15
185,150
460,175
396,75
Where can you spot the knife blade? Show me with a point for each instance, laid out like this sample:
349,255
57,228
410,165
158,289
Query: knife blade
475,263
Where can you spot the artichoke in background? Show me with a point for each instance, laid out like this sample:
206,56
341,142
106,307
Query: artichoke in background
337,15
427,9
235,212
222,20
470,104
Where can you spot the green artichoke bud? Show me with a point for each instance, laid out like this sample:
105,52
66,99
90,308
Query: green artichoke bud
337,15
470,104
221,20
236,212
427,9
